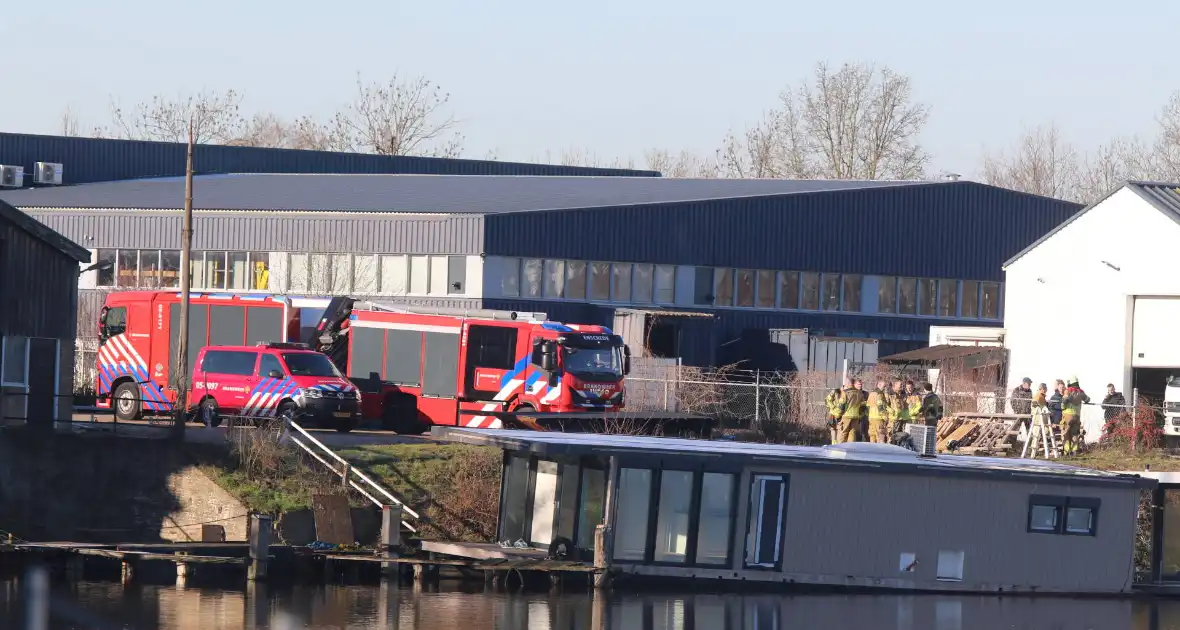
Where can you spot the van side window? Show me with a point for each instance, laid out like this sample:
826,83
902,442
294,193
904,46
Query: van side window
232,362
269,363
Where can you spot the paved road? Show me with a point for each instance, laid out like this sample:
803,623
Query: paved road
199,434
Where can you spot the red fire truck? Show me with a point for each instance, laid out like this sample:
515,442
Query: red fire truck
136,353
472,368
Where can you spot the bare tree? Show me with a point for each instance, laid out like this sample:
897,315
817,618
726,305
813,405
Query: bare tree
404,116
216,118
268,130
1112,164
586,158
683,164
69,122
858,122
1042,163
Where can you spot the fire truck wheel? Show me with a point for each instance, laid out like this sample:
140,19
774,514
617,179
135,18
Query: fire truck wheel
127,405
209,415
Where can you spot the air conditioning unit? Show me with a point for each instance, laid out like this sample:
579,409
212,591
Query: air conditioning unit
47,174
925,438
12,176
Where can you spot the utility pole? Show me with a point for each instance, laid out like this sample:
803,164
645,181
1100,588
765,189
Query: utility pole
186,246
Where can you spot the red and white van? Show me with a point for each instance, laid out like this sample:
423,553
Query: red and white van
273,380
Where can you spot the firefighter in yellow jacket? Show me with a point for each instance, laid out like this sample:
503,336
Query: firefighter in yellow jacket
913,402
1071,416
852,403
878,413
832,402
899,411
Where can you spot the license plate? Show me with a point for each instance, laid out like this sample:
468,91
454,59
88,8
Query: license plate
342,414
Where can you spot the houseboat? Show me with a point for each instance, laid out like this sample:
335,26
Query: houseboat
851,515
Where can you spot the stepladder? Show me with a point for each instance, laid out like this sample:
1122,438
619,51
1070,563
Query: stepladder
1042,436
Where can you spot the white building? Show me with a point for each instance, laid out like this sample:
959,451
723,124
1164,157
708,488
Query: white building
1098,297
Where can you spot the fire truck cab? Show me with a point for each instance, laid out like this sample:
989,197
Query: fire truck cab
417,369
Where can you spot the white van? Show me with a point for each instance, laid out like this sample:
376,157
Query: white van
1172,412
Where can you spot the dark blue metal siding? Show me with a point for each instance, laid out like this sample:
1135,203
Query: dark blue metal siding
960,230
705,346
88,160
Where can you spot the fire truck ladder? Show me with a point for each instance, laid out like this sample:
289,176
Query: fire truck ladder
347,472
469,313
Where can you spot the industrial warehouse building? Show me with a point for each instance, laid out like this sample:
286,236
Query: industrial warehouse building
1096,298
38,302
717,260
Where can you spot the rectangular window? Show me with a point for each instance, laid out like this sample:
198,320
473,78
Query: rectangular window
532,272
810,282
394,273
702,287
364,274
419,275
723,286
105,276
788,282
554,278
128,268
1073,516
948,298
907,296
592,502
438,275
621,282
238,276
319,273
259,269
340,280
600,281
269,363
169,269
989,306
215,270
745,287
852,288
887,294
575,280
15,360
950,566
765,289
456,274
633,514
969,306
298,281
674,513
831,295
927,296
715,516
665,282
149,269
641,284
510,277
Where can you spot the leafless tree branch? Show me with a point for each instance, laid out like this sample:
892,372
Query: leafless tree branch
215,116
683,164
404,116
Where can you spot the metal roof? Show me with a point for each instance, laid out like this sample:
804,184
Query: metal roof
39,230
860,456
446,194
934,354
1163,196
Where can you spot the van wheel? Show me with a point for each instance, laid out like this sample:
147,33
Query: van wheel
399,413
127,404
209,415
344,426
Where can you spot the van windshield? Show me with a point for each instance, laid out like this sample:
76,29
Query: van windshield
310,364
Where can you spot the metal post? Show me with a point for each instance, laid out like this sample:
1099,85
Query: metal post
344,477
391,537
259,543
1134,417
847,366
758,399
186,246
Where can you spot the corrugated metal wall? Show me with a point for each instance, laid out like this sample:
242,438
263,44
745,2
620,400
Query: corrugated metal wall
88,160
38,285
272,231
944,230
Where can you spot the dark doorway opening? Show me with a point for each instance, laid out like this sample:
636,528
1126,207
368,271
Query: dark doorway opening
1151,383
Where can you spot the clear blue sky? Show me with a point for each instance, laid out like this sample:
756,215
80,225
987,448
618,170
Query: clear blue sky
611,77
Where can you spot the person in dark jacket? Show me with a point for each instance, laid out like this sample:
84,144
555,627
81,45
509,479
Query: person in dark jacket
1055,402
1021,399
931,411
1113,404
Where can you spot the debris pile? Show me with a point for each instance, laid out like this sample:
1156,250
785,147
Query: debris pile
978,434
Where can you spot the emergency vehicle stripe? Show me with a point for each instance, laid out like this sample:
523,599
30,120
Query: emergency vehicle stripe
508,386
118,357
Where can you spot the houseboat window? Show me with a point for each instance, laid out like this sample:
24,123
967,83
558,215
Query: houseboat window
1043,518
544,503
713,534
634,503
567,501
950,566
1079,520
516,483
592,499
674,513
1077,516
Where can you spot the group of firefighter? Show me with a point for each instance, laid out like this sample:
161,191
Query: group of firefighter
1064,406
880,415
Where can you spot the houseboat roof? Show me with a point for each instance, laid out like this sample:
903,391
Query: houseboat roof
859,456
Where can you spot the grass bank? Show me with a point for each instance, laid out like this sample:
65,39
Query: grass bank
456,488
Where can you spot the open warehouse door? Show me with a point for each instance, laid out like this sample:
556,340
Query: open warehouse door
1155,358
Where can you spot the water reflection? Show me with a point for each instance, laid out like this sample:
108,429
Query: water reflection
106,604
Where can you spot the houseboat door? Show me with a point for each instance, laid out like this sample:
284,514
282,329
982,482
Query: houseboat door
768,497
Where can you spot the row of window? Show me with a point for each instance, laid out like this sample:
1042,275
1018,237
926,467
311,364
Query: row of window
672,494
1070,516
640,283
284,272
